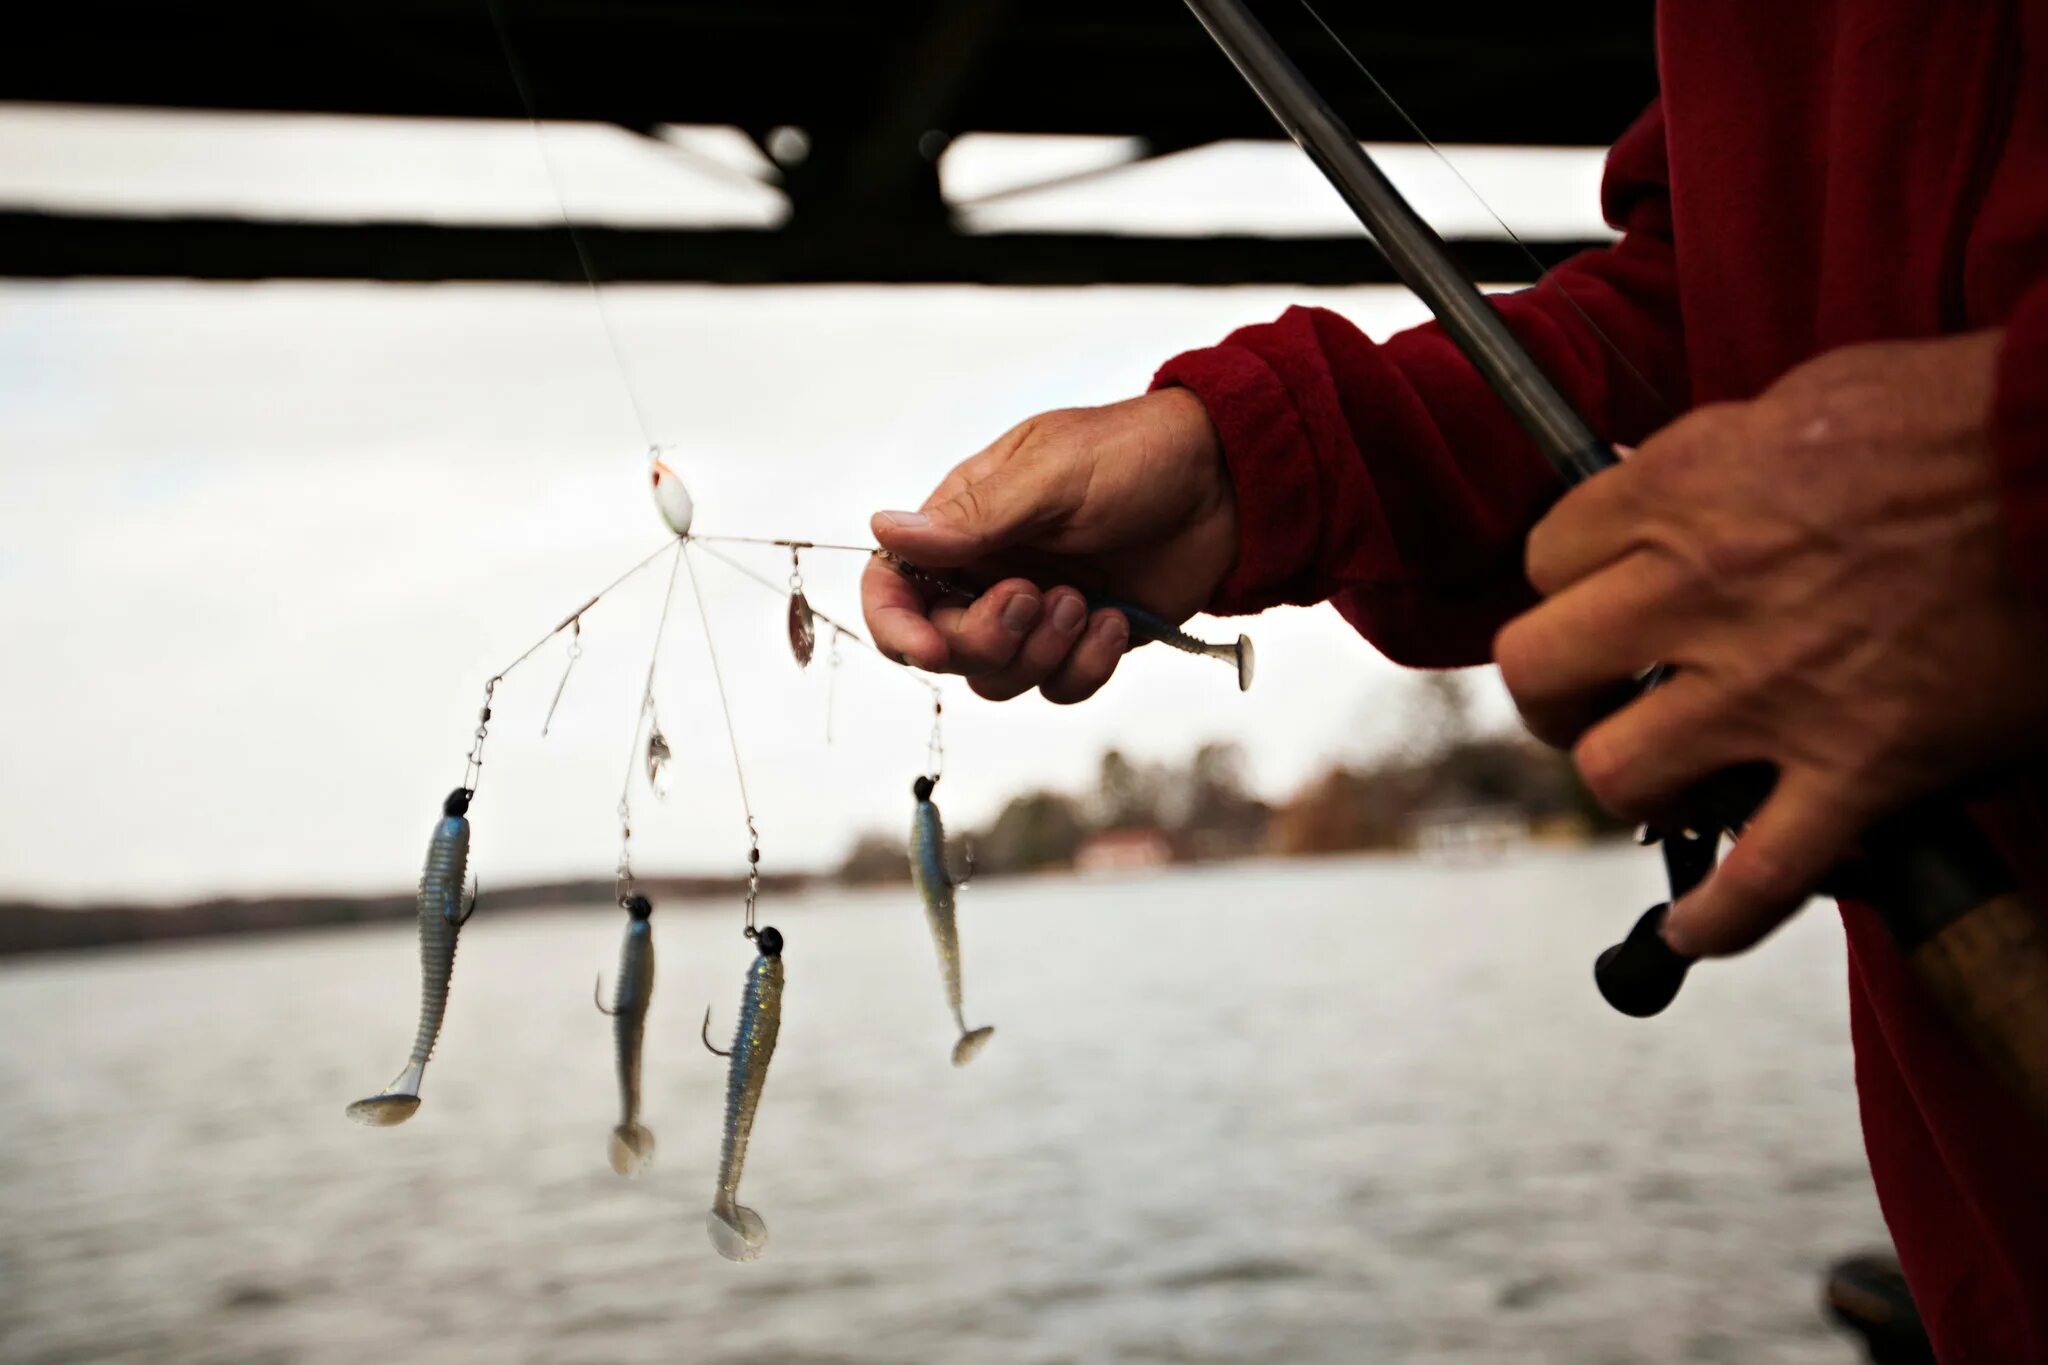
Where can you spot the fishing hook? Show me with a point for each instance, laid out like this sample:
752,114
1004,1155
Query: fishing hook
597,995
575,624
476,891
705,1032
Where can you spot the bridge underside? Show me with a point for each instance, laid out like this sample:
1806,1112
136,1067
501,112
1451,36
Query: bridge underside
878,90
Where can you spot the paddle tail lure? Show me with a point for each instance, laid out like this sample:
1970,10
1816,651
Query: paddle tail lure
737,1231
1146,626
442,913
936,888
1947,899
632,1144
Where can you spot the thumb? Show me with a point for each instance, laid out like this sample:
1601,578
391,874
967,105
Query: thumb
970,523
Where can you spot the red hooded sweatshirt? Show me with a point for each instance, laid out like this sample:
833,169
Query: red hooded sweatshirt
1815,174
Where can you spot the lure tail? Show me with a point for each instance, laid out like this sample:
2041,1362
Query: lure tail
736,1231
1238,655
1146,625
400,1100
971,1043
632,1148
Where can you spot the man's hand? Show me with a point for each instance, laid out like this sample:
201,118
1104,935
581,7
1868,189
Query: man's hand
1129,499
1824,569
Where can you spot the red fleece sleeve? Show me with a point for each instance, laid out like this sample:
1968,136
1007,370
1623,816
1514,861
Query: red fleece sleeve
2019,438
1390,477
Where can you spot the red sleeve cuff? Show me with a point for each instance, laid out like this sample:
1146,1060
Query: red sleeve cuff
2019,439
1272,478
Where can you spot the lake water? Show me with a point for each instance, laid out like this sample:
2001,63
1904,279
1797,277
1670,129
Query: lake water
1358,1110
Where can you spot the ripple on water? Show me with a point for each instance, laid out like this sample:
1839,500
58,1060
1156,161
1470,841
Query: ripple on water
1421,1142
1250,1270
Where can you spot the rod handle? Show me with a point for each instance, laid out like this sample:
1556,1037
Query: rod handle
1641,975
1989,970
1955,911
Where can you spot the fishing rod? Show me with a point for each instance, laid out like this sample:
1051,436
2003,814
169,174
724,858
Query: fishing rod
1940,888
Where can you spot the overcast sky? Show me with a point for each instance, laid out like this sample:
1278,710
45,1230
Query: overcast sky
261,545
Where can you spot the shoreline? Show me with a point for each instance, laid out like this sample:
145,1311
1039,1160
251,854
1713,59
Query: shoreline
29,927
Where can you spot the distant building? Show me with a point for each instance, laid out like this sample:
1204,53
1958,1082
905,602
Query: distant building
1460,832
1118,850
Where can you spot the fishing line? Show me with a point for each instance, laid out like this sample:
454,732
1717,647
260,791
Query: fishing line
583,260
1543,272
577,615
575,653
473,766
623,878
831,679
784,544
840,629
739,771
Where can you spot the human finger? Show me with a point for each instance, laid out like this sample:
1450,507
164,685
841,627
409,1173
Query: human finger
894,609
1640,760
979,517
985,634
1088,667
1801,832
1564,655
1589,528
1059,628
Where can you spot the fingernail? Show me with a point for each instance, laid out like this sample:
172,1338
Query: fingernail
1114,630
1019,613
906,520
1069,614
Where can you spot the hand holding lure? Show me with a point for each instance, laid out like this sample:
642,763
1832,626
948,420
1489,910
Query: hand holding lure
442,913
737,1231
935,887
1145,625
632,1144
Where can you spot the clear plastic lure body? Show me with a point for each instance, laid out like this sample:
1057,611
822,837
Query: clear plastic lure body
442,913
737,1231
936,887
632,1143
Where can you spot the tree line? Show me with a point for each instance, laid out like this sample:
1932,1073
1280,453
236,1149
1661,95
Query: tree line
1203,807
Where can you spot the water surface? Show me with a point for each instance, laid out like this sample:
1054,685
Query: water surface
1360,1110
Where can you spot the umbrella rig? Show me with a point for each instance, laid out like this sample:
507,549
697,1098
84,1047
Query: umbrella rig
445,902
